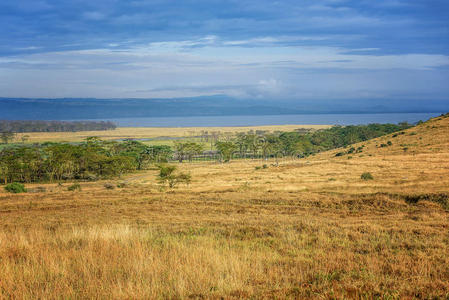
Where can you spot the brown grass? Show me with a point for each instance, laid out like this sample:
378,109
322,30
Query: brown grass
310,228
152,132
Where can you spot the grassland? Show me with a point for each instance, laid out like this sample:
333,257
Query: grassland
308,228
163,134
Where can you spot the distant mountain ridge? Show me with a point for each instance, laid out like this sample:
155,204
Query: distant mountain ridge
92,108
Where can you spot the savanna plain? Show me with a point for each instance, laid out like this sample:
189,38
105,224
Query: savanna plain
299,228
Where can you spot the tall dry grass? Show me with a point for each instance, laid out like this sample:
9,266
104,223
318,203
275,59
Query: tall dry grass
306,229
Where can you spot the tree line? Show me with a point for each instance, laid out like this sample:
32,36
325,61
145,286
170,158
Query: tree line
298,143
94,159
54,126
90,160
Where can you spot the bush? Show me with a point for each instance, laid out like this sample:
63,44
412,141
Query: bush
167,176
339,154
15,188
367,176
109,186
74,187
389,143
258,168
265,166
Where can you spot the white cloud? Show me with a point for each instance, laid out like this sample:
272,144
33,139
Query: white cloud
212,67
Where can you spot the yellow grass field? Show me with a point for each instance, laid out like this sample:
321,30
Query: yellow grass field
152,132
307,228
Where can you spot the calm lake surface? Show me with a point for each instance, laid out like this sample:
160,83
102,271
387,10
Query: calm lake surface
318,119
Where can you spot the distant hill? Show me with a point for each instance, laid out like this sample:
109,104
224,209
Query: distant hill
73,108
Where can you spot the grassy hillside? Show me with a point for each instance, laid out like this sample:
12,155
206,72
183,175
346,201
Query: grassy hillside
306,228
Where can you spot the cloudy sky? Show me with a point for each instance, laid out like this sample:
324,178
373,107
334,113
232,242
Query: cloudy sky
252,49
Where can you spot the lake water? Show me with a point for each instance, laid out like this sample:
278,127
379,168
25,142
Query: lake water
313,119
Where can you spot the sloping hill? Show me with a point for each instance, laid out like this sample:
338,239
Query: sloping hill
431,136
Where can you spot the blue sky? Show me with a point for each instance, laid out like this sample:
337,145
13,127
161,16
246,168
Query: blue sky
313,49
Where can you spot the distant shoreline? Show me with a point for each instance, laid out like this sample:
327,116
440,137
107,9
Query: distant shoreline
270,120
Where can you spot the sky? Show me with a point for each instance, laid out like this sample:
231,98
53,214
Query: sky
250,49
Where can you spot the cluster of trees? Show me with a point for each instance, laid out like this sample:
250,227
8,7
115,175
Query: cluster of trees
89,160
94,158
54,126
301,144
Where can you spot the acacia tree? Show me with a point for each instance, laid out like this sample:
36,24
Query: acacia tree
168,176
187,150
226,149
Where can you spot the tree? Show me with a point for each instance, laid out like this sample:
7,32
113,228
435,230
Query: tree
187,150
167,176
25,138
226,149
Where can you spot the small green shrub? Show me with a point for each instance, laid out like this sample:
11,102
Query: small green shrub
389,143
168,176
339,154
265,166
15,188
367,176
74,187
258,168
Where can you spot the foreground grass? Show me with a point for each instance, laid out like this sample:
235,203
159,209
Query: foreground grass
306,229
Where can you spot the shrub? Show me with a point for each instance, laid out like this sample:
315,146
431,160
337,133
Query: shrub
265,166
258,167
74,187
167,176
15,188
109,186
367,176
389,143
340,154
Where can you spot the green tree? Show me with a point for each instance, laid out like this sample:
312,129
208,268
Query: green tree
226,149
187,150
167,176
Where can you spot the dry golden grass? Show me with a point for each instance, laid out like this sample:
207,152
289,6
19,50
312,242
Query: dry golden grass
310,228
151,132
